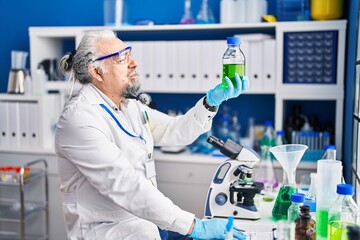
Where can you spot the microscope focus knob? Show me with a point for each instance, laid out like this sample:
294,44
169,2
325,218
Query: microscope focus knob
221,199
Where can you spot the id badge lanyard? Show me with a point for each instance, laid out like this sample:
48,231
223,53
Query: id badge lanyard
149,164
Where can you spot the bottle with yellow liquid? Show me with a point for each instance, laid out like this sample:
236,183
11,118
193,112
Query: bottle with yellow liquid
343,213
233,61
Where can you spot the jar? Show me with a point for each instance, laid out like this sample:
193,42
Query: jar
326,9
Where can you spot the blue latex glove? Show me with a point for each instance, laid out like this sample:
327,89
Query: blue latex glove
214,229
220,93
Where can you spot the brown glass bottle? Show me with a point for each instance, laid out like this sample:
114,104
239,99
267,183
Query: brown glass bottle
305,225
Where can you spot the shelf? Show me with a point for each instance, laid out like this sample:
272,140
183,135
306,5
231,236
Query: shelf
10,211
34,174
15,236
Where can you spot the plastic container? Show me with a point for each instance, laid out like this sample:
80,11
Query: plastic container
297,200
329,174
293,10
326,9
343,212
113,10
233,61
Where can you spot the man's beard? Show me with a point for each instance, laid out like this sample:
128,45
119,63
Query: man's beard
133,89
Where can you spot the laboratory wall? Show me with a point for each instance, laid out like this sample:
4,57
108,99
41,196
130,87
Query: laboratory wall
18,15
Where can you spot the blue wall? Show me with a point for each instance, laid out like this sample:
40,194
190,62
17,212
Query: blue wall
18,15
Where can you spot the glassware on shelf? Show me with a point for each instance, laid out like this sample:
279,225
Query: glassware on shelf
289,156
187,18
205,15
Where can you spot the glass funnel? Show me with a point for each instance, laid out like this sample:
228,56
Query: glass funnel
289,156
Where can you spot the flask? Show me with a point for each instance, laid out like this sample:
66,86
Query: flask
305,225
187,18
297,200
233,61
343,212
205,15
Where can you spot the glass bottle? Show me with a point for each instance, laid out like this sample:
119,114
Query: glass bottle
233,61
343,212
297,200
305,225
285,230
280,138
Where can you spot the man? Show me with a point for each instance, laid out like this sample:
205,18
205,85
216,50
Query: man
104,142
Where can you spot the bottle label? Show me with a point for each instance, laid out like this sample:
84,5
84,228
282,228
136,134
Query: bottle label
229,70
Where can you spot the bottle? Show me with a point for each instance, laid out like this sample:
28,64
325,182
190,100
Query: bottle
268,138
285,230
297,200
330,152
310,197
280,138
305,225
235,127
233,61
343,212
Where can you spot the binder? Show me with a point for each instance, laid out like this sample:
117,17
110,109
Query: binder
218,52
24,125
256,65
14,124
149,64
172,66
269,60
4,125
160,70
194,59
183,65
34,124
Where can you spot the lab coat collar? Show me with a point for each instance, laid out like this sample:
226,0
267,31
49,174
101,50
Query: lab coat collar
95,97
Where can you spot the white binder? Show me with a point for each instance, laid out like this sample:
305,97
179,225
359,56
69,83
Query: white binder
14,124
34,124
160,70
269,66
24,125
149,64
4,124
172,66
183,65
194,62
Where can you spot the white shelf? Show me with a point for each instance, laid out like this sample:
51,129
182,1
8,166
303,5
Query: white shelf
46,42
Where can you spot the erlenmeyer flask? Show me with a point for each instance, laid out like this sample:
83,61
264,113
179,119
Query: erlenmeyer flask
205,14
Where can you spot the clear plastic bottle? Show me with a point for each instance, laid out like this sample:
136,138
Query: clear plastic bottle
280,138
330,152
343,212
235,128
305,225
297,200
233,60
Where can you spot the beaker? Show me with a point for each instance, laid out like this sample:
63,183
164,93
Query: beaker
289,156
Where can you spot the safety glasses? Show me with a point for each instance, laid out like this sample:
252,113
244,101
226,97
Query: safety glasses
122,56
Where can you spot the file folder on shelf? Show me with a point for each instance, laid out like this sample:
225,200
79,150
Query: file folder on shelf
4,124
14,123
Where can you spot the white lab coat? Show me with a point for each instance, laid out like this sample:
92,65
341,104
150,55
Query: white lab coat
105,189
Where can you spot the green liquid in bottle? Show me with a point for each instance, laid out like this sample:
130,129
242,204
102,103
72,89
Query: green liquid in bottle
322,222
283,202
336,230
229,70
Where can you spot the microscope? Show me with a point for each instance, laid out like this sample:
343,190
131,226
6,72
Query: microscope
232,190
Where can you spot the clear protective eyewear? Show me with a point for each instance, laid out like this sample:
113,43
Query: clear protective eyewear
122,56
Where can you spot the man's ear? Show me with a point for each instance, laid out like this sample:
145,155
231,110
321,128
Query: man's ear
95,73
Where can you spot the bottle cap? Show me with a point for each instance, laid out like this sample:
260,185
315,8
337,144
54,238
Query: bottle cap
233,40
328,146
297,197
268,123
280,132
345,189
